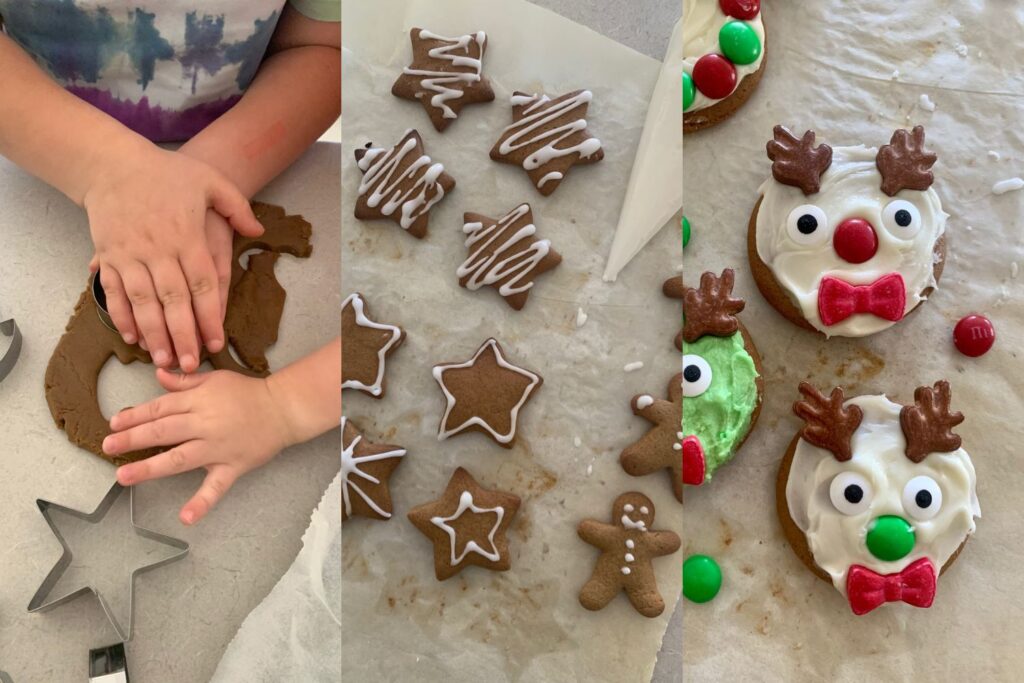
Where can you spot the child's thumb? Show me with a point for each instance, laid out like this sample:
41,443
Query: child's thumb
173,381
226,200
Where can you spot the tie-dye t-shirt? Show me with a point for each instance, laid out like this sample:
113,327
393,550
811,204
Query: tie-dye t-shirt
165,69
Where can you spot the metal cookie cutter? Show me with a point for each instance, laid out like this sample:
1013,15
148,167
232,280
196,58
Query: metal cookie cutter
99,295
9,328
40,601
108,665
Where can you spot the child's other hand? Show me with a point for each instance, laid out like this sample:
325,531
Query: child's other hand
150,223
224,422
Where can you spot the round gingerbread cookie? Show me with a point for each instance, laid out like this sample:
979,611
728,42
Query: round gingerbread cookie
723,382
847,241
876,497
723,59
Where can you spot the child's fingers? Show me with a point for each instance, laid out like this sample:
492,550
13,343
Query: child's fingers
226,200
167,431
219,479
174,382
173,291
201,275
118,307
222,251
165,406
94,264
183,458
148,313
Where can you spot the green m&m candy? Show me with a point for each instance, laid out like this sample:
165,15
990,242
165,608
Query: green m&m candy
689,92
686,231
702,578
739,42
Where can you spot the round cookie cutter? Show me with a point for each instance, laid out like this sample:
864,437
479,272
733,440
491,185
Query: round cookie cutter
99,295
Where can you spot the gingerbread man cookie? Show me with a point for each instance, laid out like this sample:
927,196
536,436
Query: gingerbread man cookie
365,470
547,137
628,547
876,497
468,525
446,74
366,344
505,254
661,448
401,183
847,241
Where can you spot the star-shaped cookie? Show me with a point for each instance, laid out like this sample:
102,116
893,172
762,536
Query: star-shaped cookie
365,470
484,394
366,344
506,254
661,447
674,289
401,183
547,137
445,75
468,525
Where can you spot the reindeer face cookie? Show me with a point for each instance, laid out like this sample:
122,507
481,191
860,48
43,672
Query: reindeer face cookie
722,384
847,240
876,497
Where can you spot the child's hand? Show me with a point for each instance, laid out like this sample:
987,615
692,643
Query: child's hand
222,421
149,222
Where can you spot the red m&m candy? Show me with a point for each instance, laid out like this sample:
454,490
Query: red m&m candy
974,335
741,9
715,76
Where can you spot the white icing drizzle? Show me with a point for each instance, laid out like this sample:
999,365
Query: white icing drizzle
702,21
581,317
350,463
836,540
486,269
380,173
644,401
440,81
466,503
629,523
548,177
358,305
541,112
632,367
438,373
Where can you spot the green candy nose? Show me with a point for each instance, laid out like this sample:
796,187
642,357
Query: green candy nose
890,538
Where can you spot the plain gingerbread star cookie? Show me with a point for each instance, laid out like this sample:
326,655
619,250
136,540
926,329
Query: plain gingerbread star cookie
468,525
365,470
445,75
366,346
661,447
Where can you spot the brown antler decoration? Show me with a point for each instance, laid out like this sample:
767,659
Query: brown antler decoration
904,163
798,162
711,309
828,424
928,424
673,288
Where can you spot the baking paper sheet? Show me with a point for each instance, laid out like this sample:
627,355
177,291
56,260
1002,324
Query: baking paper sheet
854,72
399,623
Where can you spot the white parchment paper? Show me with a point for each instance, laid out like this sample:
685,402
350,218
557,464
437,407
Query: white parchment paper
399,623
854,72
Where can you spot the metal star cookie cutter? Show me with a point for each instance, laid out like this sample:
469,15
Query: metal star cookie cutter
40,603
108,664
9,328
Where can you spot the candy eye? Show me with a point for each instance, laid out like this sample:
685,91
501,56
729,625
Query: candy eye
851,493
807,225
901,218
696,376
922,498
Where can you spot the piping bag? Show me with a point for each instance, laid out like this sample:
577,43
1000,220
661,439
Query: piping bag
655,191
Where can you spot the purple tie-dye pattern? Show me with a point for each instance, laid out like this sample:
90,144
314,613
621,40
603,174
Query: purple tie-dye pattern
153,122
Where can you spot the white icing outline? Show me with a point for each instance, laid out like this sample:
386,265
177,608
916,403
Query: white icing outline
466,503
362,320
350,465
437,80
380,164
438,373
485,269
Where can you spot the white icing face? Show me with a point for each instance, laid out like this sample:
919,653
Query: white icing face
702,20
836,503
796,234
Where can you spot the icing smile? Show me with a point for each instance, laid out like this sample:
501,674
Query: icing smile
694,466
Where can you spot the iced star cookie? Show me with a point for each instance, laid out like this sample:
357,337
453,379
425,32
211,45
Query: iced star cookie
366,345
401,183
847,241
365,470
722,377
468,525
628,547
445,75
723,59
547,137
876,497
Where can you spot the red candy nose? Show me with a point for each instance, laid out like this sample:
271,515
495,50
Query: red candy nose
855,240
693,461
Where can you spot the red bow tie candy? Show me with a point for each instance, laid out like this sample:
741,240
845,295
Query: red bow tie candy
915,585
693,462
885,298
